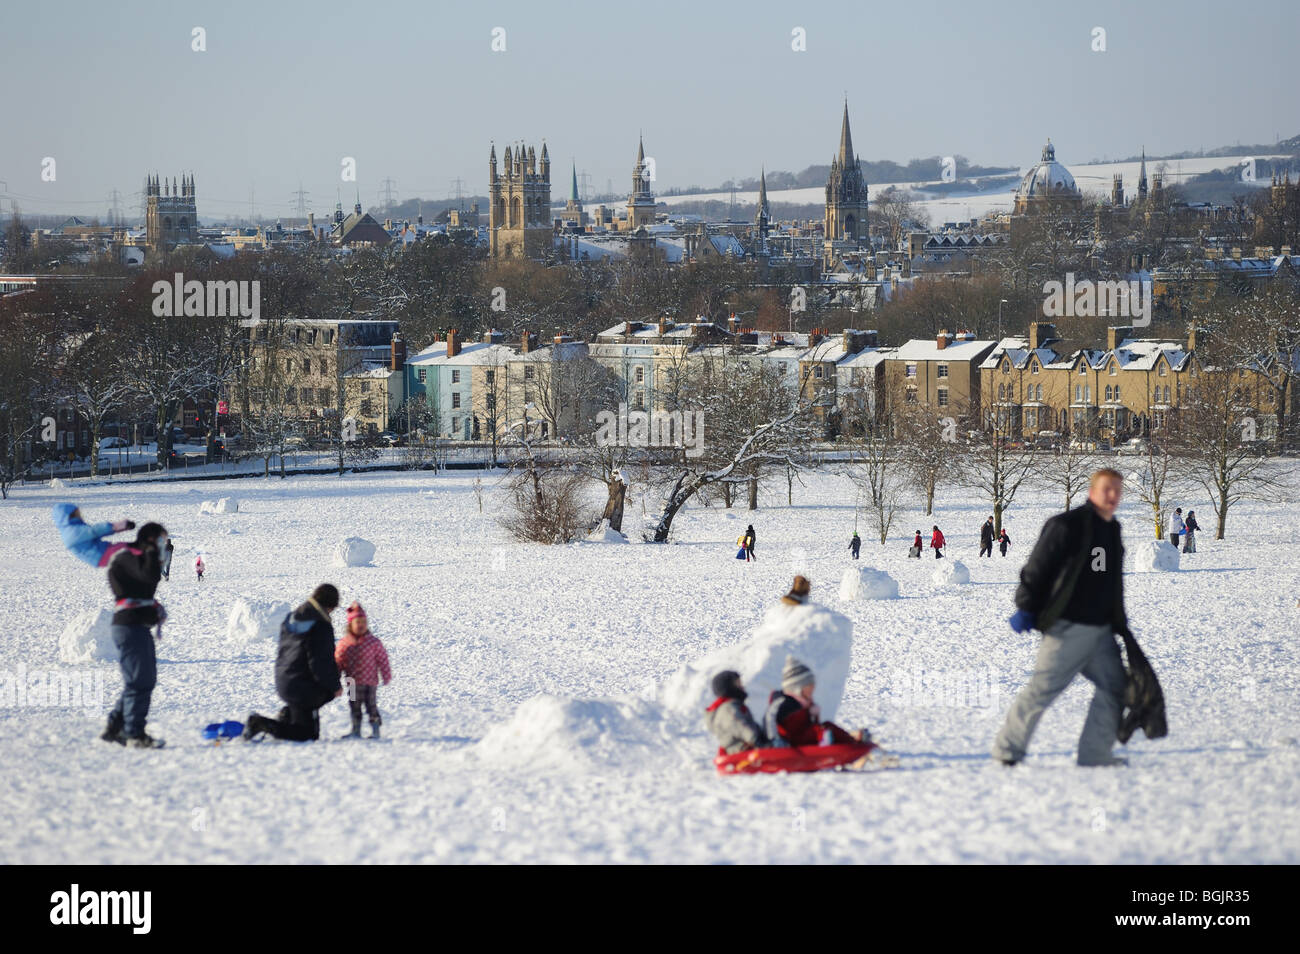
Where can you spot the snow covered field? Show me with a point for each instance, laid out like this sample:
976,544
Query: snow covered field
477,626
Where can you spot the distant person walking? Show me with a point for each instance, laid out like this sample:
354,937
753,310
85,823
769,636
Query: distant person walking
199,566
937,542
1004,541
855,544
917,546
1072,590
1190,528
168,552
747,543
1176,527
986,539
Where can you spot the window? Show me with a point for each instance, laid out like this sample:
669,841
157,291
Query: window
365,387
311,337
1163,370
1156,398
1031,417
817,371
1108,392
293,335
911,396
290,395
943,371
639,375
1166,394
528,372
455,399
489,376
781,367
911,370
455,424
326,396
1006,366
1033,367
638,400
306,365
1087,393
491,402
1117,392
1002,392
1078,393
422,375
329,337
288,364
1113,369
943,397
367,409
455,376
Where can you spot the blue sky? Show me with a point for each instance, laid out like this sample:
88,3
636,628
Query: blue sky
414,91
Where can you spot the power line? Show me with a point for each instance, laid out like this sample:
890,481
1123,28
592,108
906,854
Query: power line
388,192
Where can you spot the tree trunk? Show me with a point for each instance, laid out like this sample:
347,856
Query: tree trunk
789,492
613,505
1223,513
929,498
753,493
726,495
95,428
676,500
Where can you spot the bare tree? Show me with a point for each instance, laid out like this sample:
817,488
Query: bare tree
1067,470
995,464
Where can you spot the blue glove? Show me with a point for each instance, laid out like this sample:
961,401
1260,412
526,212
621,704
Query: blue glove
1022,621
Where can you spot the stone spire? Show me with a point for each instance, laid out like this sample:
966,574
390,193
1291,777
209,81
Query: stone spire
846,139
573,193
1142,175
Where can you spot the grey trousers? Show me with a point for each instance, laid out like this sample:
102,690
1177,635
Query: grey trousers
1068,649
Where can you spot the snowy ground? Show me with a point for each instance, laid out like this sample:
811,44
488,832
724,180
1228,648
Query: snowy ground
477,625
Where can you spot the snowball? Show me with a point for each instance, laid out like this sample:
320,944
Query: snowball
224,505
255,621
88,637
950,572
354,551
866,583
818,637
1156,556
56,483
603,534
553,732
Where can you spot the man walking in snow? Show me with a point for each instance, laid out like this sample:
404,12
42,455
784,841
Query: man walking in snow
133,575
1071,589
306,676
986,538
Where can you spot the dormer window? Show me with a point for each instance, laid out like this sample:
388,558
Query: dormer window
1083,367
1113,369
1163,370
1006,366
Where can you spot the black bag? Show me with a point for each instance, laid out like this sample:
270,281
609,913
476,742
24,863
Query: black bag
1144,702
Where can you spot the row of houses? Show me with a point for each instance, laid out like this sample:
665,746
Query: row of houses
479,389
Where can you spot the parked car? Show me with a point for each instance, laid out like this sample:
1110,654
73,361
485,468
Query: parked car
388,439
107,443
296,442
1134,446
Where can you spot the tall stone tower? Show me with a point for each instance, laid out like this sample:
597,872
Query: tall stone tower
846,196
763,218
641,203
519,204
170,217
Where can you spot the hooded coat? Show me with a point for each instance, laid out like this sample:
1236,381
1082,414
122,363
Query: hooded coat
305,672
84,540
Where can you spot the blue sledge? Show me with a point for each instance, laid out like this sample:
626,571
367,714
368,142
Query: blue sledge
223,730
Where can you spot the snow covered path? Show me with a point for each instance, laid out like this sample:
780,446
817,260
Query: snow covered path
476,625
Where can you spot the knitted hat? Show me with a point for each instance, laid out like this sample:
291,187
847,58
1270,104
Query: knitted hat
150,531
355,611
726,685
795,676
798,593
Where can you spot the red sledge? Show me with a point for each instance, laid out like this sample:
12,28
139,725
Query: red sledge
807,758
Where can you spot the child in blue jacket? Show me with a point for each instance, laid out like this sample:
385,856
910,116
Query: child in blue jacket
84,540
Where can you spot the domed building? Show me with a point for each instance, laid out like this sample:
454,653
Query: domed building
1048,182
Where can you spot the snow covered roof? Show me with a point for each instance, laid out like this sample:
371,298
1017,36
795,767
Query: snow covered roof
471,352
1141,354
370,369
927,349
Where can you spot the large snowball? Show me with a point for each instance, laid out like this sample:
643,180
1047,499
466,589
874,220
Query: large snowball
950,573
354,551
88,637
1156,556
818,637
255,621
867,583
224,505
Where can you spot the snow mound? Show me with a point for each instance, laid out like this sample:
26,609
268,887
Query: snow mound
224,505
554,732
603,534
354,551
56,483
820,638
255,621
1156,556
88,637
867,583
950,573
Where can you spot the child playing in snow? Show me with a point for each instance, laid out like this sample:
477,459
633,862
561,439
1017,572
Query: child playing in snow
728,717
362,660
917,546
199,566
1004,541
85,541
793,718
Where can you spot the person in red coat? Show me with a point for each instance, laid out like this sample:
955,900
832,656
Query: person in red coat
937,542
362,659
793,718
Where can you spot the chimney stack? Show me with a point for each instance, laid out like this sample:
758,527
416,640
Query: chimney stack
1115,334
527,342
814,337
942,339
563,339
397,351
453,343
1040,332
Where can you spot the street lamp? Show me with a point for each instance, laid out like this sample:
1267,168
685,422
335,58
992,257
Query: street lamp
1000,304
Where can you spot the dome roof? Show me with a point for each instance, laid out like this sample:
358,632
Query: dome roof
1047,178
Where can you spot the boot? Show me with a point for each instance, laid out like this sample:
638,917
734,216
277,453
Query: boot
253,727
356,728
145,741
113,730
374,730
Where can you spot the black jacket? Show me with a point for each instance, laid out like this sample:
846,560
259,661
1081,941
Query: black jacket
1049,576
986,535
1144,702
305,673
134,574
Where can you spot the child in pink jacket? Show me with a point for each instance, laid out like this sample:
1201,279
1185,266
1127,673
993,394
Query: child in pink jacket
363,661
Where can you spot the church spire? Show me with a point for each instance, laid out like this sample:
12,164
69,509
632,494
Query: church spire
846,139
1142,175
573,193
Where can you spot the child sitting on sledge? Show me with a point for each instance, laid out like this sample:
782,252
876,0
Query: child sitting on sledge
793,718
728,717
362,660
85,541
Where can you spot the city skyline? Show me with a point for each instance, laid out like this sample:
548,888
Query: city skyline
268,107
